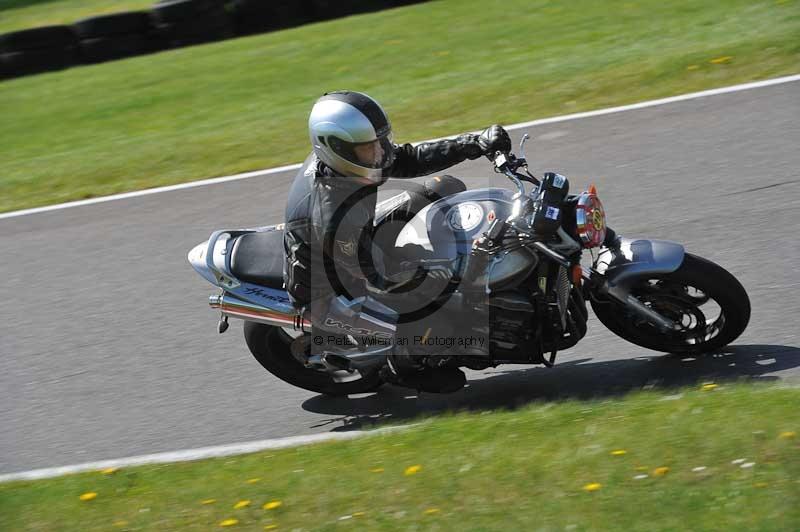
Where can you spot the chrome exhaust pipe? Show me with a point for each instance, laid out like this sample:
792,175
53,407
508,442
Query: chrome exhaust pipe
234,307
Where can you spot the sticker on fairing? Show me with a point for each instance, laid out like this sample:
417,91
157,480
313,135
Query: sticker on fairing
558,181
552,213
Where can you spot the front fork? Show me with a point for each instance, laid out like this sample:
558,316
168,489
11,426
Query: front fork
596,284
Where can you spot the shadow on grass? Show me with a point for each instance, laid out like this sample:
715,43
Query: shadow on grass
574,379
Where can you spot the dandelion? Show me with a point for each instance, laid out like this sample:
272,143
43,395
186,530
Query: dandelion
431,511
241,504
229,522
619,452
699,469
660,471
208,501
273,526
376,470
120,523
88,496
692,67
747,465
359,514
721,60
271,505
109,470
345,517
640,477
738,461
253,480
592,486
707,387
412,470
788,434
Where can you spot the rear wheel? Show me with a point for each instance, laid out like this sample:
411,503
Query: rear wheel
270,346
709,304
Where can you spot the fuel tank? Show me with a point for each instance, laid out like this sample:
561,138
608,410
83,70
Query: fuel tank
447,229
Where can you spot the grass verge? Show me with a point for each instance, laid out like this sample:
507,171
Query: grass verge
25,14
717,458
439,68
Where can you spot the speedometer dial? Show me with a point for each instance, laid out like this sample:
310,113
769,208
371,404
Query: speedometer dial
465,216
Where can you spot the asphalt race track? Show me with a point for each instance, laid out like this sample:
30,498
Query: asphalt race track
108,347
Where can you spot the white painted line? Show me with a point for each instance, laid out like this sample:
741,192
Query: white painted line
539,122
196,454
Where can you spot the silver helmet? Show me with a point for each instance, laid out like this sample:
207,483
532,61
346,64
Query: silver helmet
352,135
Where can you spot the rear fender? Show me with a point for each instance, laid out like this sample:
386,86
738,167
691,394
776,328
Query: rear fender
214,264
638,258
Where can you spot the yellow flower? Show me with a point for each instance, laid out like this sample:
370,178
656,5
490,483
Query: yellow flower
593,486
618,452
376,470
412,470
761,484
641,468
358,514
788,434
721,60
271,505
431,511
88,496
208,501
660,471
120,523
229,522
109,470
270,527
253,480
241,504
692,67
708,386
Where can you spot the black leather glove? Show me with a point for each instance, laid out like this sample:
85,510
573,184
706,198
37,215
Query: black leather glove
494,139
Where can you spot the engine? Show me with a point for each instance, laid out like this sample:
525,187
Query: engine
512,327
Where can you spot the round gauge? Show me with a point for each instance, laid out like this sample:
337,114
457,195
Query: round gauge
465,216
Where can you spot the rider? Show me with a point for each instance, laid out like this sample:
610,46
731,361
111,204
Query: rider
331,208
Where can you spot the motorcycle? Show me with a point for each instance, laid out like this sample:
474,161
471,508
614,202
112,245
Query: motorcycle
516,290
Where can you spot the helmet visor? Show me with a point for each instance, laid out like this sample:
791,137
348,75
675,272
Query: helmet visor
378,153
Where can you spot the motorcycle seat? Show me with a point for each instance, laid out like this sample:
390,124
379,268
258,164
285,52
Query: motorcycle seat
258,258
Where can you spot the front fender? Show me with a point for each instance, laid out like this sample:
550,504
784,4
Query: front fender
638,258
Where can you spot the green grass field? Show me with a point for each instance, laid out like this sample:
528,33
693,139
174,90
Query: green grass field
714,458
24,14
439,68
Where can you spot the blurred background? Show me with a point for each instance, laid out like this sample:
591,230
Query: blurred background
108,348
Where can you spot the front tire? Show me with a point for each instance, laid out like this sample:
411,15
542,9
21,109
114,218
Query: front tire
683,296
270,347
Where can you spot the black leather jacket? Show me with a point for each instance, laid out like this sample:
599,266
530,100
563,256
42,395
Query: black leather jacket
329,219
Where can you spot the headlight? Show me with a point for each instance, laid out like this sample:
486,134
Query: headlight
590,219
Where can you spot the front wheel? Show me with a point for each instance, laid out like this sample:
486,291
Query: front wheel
270,346
709,304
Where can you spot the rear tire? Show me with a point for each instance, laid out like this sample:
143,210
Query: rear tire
270,346
713,281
